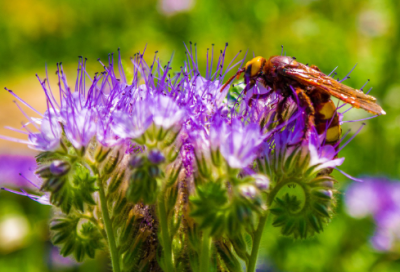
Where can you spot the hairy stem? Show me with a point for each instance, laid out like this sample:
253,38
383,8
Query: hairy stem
165,239
251,267
205,254
256,244
109,230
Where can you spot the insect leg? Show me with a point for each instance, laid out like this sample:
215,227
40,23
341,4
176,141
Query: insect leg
305,101
258,96
280,109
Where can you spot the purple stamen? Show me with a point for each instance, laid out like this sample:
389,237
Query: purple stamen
351,138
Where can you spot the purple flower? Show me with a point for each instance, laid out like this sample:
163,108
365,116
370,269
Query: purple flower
240,145
48,138
16,170
380,199
132,125
80,127
166,112
281,146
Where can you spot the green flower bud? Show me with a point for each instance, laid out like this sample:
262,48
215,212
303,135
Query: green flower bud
59,168
301,208
76,237
226,214
143,185
116,181
136,162
71,188
111,163
101,153
44,171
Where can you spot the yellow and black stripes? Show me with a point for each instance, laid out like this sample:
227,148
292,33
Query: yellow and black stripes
326,118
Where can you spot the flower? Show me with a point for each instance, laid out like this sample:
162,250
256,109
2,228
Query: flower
122,152
166,112
16,170
380,199
132,125
241,143
48,138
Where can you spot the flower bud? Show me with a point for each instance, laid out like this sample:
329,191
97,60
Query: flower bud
261,181
116,181
156,156
136,162
154,171
248,191
59,168
100,153
44,171
111,164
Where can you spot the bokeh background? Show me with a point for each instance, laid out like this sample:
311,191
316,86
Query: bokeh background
327,33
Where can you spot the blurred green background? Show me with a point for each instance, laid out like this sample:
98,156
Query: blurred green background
327,33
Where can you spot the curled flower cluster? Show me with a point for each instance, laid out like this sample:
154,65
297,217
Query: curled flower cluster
380,199
167,161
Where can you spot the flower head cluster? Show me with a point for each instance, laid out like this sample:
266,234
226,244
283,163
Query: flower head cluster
380,199
156,158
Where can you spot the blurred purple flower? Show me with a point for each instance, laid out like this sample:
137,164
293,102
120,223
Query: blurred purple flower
57,261
380,199
16,170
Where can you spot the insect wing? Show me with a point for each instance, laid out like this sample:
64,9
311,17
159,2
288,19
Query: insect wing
308,76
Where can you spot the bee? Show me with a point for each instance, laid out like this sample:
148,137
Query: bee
313,88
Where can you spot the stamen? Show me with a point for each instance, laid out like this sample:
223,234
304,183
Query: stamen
22,101
14,140
48,85
31,182
333,71
364,85
358,120
16,130
26,115
120,68
347,76
351,138
348,176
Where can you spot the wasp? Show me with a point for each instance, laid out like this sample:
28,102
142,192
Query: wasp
313,88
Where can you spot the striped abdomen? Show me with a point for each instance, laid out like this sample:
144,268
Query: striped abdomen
326,118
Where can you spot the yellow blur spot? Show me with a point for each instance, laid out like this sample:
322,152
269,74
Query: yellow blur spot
256,64
327,110
333,134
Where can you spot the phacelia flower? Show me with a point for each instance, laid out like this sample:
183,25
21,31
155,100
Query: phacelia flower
139,161
378,198
240,144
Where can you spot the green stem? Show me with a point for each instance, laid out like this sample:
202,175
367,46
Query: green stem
205,251
109,230
251,267
166,241
256,244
